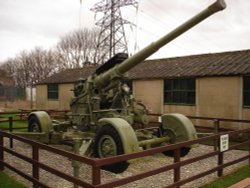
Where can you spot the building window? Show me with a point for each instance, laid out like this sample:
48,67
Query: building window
52,91
246,91
179,91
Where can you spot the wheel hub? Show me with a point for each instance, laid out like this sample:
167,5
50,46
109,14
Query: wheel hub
107,146
171,134
35,127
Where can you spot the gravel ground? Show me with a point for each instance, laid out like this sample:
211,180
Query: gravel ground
143,164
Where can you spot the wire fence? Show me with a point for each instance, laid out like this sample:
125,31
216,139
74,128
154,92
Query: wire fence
12,93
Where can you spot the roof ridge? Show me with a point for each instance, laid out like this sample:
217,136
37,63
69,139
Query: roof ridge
199,55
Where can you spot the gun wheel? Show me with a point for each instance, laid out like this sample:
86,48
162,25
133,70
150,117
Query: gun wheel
34,124
173,134
184,152
108,143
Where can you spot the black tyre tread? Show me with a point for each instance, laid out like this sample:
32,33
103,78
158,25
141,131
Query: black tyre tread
109,130
31,120
170,153
184,152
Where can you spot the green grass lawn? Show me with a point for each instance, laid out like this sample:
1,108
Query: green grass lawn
16,124
231,179
7,182
231,143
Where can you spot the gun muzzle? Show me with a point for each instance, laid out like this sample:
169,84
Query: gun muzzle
217,6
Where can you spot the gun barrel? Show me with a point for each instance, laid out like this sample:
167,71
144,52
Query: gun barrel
152,48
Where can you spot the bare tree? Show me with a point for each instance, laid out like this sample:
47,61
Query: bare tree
41,64
14,67
78,49
6,66
28,68
74,50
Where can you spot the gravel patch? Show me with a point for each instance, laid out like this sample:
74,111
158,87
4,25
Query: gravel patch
141,165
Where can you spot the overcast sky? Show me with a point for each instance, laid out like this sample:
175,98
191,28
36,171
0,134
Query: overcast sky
25,24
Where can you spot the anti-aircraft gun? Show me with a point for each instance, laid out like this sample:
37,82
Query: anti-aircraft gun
103,112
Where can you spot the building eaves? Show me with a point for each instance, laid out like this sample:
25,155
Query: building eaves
69,75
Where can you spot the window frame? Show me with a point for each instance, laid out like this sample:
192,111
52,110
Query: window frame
246,92
52,92
186,89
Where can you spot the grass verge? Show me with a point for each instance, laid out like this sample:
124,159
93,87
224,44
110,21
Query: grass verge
231,179
17,123
6,181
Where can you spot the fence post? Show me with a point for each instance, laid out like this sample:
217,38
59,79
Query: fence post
76,164
216,131
249,151
1,153
177,170
35,167
220,162
96,175
11,130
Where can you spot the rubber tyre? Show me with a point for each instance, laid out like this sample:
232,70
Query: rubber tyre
108,134
170,153
34,124
184,152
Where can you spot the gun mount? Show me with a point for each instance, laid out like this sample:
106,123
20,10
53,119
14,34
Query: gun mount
103,112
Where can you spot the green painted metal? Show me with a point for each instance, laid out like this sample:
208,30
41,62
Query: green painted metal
76,164
39,137
147,144
44,120
178,127
126,132
104,93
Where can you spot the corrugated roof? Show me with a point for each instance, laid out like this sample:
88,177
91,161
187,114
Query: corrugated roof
69,75
214,64
217,64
